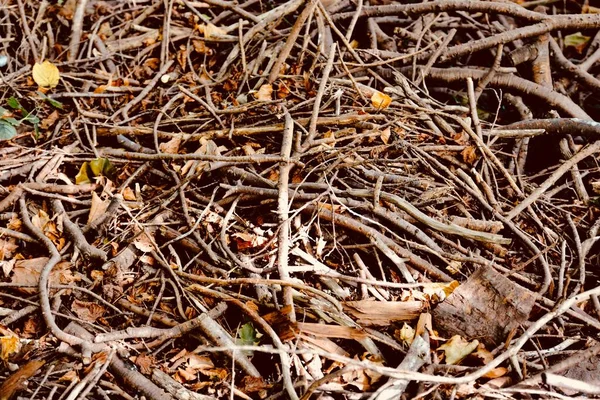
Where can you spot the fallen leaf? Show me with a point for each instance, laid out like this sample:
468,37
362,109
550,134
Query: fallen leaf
406,334
49,120
380,100
87,310
438,291
7,248
496,373
97,208
27,272
457,348
577,41
46,74
171,147
385,135
484,354
211,31
469,155
143,243
264,93
10,345
145,362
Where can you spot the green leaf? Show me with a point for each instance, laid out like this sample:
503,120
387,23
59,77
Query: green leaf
32,119
96,167
12,121
577,40
102,167
52,102
7,131
12,102
247,335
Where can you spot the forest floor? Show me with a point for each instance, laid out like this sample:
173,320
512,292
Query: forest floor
299,200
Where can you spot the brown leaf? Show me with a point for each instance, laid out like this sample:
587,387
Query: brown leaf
49,120
171,147
27,272
145,362
469,155
87,310
457,348
7,248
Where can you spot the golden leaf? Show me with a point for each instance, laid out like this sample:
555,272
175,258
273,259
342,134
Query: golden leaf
380,100
45,74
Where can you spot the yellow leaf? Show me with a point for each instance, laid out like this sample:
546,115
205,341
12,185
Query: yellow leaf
406,334
439,291
45,74
380,100
457,348
10,345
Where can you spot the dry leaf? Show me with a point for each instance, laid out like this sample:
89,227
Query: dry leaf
171,147
128,194
70,376
380,100
49,120
484,354
211,31
457,348
7,248
97,208
10,345
145,362
27,272
439,291
264,93
87,310
46,74
496,373
143,243
469,155
385,135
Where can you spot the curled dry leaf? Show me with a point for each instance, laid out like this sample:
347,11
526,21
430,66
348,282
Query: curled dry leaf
457,348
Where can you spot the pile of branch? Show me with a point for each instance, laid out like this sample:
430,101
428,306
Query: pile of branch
299,199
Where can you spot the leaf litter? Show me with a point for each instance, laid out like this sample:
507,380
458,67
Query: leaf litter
298,200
